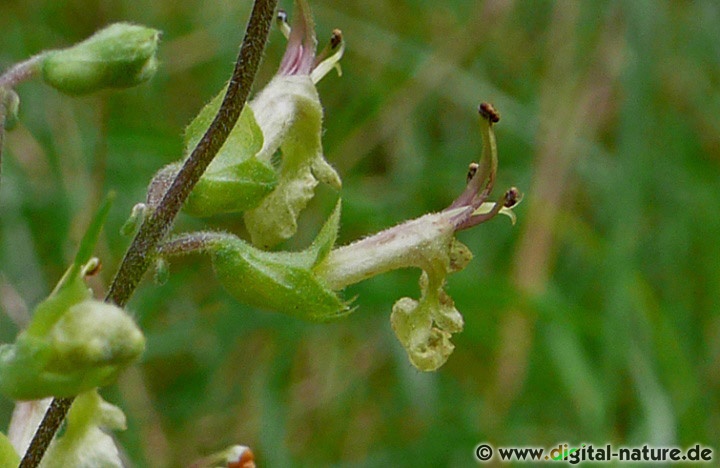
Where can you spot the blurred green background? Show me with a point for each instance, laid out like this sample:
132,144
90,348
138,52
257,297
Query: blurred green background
594,319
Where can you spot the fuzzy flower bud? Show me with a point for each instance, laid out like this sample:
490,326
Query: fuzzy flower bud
121,55
74,343
88,347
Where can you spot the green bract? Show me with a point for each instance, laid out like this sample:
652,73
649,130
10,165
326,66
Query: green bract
279,281
236,180
73,343
121,55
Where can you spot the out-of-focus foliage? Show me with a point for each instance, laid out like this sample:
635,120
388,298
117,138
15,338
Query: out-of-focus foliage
594,319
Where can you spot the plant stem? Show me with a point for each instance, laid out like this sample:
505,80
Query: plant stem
54,416
20,72
156,226
143,248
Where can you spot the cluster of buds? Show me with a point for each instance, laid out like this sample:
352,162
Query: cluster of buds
74,343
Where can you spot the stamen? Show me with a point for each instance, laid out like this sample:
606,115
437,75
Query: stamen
335,48
335,39
489,210
488,111
281,20
475,194
512,197
472,170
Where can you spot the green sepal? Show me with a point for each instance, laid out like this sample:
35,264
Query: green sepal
232,189
325,240
236,180
280,281
8,455
121,55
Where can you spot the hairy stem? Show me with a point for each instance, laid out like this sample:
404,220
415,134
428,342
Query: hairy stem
188,243
20,72
143,249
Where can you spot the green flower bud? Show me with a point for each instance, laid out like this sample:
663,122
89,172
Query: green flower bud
87,347
132,224
279,281
121,55
162,271
73,343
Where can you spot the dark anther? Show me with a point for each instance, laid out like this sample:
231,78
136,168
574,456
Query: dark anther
282,16
94,269
472,170
512,196
336,38
488,111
